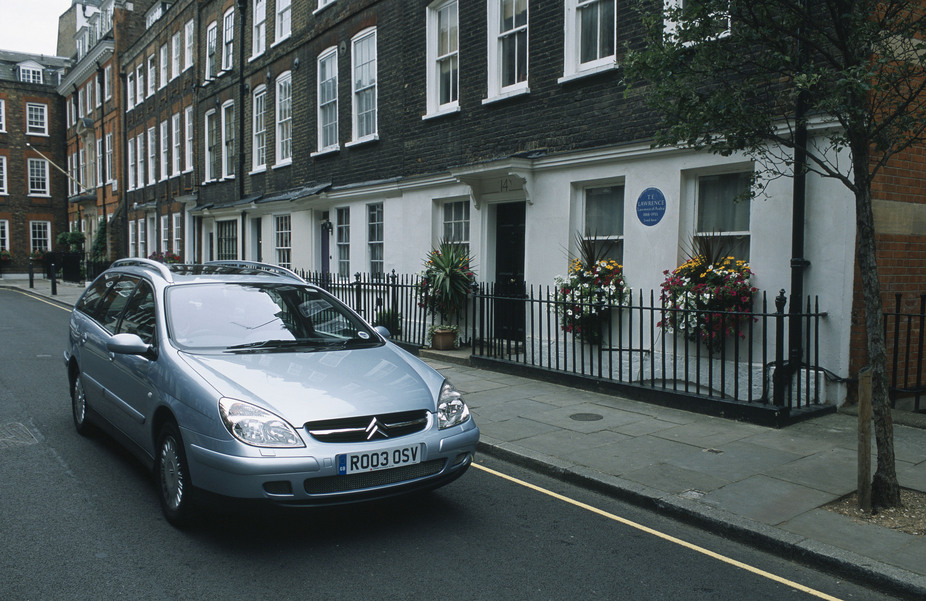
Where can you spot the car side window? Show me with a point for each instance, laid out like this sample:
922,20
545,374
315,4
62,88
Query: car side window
110,307
139,315
89,300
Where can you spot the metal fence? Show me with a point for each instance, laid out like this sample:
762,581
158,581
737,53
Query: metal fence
904,329
390,300
635,348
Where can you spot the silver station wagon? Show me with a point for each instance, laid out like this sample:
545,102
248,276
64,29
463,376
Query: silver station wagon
241,380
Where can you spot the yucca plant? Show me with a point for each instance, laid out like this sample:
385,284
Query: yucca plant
447,280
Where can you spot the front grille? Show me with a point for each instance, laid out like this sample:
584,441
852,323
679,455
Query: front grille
335,484
369,427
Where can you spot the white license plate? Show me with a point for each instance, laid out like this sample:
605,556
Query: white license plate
383,459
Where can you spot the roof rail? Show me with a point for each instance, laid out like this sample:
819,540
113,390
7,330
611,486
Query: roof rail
274,269
161,268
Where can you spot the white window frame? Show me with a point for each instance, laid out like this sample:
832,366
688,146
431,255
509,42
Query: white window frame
177,230
4,191
38,165
4,234
212,153
39,226
35,127
30,75
322,4
259,29
283,240
377,264
497,89
212,32
165,150
361,88
228,39
99,90
694,188
109,157
438,14
142,239
152,156
175,140
327,100
164,59
342,240
131,165
284,119
140,161
98,159
139,84
188,37
108,82
133,249
175,50
165,234
572,61
228,140
130,92
3,115
259,130
190,131
283,22
152,75
453,223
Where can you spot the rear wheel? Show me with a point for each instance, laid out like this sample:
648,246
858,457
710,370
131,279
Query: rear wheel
79,406
173,477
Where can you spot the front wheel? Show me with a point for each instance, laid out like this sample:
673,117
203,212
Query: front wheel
173,477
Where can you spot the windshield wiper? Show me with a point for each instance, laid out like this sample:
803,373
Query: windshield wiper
275,345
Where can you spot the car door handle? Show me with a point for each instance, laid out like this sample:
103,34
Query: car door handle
112,356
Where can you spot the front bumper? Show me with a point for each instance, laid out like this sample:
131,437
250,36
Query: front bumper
312,478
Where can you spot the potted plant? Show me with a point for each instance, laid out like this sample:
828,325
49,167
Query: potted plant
446,283
442,337
164,257
708,295
593,285
5,256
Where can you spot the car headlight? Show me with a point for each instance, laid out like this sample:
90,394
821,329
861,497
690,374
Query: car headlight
451,409
257,427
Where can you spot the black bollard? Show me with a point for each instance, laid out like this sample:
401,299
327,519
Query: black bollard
31,274
54,281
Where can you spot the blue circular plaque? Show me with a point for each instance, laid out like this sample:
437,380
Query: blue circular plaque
651,206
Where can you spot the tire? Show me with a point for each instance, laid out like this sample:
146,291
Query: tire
173,477
79,407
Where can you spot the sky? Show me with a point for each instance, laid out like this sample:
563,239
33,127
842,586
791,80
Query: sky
31,25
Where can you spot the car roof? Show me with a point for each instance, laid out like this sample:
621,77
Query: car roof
212,271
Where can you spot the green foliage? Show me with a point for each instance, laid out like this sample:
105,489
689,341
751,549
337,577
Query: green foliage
446,281
72,241
98,248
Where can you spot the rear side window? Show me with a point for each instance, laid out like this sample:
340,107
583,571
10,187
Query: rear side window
92,296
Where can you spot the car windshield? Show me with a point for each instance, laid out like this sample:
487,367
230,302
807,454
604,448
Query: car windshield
261,317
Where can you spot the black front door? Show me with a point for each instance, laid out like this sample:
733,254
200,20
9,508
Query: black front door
509,271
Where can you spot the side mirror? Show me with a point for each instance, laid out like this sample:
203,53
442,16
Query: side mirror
382,331
127,344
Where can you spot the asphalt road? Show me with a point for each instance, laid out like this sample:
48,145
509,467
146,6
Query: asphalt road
79,519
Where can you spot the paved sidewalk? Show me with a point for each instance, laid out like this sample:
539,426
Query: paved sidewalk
761,485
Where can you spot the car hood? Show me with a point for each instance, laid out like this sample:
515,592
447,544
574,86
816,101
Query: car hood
308,386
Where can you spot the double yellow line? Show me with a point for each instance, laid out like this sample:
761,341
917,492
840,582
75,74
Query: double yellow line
662,535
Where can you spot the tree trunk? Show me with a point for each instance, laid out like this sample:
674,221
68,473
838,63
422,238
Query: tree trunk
885,490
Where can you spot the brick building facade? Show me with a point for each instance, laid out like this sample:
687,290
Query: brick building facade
32,135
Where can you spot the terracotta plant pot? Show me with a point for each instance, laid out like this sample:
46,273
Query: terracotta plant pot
442,340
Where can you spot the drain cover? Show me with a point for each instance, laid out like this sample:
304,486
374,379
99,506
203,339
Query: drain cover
15,434
585,417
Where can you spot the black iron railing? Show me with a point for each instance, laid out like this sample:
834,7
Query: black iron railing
904,329
637,345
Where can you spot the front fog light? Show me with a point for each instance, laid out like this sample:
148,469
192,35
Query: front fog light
451,409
